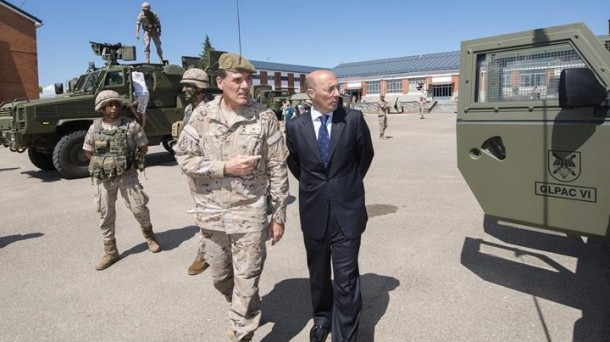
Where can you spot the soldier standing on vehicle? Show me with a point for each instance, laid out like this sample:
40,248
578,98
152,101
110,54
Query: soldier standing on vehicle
234,151
112,144
382,115
152,30
194,82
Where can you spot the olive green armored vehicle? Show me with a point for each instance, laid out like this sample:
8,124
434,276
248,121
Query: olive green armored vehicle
52,130
533,127
273,99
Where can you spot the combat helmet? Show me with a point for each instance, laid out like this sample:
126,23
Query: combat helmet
105,97
197,77
145,5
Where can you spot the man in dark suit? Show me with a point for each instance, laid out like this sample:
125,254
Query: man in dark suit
330,152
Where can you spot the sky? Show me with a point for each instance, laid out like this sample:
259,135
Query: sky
317,33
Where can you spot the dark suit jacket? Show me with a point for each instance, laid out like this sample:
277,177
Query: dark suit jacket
351,153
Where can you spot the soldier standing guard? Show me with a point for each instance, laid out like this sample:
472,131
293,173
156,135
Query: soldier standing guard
422,106
382,115
110,144
234,151
152,29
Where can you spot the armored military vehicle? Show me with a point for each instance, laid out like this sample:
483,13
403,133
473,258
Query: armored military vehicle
52,130
273,99
533,127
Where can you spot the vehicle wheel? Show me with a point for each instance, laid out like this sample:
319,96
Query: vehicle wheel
168,144
69,157
43,161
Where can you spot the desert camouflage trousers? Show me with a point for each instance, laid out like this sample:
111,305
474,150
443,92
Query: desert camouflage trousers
237,261
133,195
156,39
383,124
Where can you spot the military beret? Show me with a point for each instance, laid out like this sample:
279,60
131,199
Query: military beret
235,63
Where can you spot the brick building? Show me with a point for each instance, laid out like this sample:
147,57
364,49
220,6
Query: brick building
407,78
18,54
281,75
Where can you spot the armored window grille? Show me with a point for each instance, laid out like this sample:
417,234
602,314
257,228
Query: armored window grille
524,75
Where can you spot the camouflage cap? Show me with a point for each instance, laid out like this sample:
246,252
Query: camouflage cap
145,5
235,63
197,77
105,97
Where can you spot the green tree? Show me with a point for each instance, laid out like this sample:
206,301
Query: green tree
205,52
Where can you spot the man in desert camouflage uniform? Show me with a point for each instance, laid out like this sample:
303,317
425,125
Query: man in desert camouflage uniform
150,23
422,106
382,114
233,149
111,143
194,82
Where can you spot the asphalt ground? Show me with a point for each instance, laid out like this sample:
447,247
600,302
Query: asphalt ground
433,268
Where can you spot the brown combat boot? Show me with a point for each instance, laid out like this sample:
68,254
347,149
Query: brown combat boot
199,265
111,255
151,240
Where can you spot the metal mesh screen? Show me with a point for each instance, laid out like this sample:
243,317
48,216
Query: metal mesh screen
524,75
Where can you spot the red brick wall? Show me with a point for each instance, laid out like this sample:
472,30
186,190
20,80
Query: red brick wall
302,78
263,77
18,57
277,76
291,83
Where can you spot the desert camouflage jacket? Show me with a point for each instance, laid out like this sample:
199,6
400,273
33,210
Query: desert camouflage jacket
210,138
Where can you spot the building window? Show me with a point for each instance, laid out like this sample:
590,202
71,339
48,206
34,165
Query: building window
394,86
372,88
414,82
440,91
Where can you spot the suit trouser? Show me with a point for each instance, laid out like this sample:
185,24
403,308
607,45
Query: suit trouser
336,304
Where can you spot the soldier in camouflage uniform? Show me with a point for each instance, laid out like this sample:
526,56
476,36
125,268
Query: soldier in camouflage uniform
384,109
233,149
422,106
150,23
194,82
110,144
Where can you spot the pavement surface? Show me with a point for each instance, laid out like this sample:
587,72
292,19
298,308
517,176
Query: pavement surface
433,267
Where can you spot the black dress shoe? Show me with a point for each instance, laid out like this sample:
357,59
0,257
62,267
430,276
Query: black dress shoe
318,333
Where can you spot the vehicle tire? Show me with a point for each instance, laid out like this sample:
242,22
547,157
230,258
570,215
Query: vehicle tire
69,158
43,161
168,144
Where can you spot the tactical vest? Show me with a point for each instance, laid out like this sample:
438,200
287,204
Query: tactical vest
111,157
150,22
